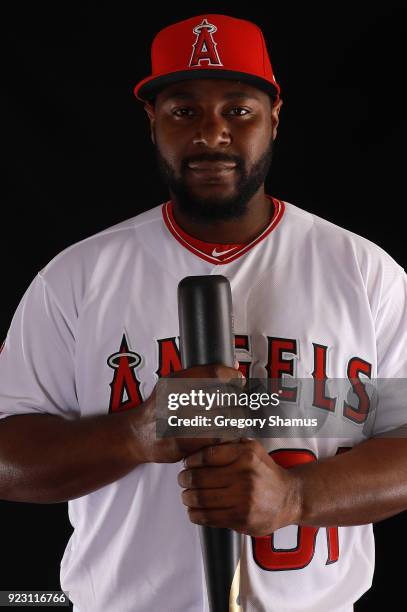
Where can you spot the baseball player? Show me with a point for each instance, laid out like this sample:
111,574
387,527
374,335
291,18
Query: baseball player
97,328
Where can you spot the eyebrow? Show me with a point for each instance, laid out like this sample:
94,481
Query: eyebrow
231,95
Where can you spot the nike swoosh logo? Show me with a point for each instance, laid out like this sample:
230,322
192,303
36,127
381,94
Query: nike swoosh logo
216,254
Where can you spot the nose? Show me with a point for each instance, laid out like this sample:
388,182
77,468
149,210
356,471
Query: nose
212,132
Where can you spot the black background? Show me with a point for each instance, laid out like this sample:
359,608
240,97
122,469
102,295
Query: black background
78,158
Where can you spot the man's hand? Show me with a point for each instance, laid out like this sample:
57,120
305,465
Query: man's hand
172,449
239,486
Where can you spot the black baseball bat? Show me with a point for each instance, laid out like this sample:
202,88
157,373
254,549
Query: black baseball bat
206,337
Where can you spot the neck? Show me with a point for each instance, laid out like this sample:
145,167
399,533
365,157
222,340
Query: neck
244,229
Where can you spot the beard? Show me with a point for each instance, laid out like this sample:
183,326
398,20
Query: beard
211,208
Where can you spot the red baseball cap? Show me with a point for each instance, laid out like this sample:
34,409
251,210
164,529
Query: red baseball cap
212,47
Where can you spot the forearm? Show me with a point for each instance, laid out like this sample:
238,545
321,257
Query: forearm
363,485
48,459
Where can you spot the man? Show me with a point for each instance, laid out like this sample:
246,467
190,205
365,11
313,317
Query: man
98,327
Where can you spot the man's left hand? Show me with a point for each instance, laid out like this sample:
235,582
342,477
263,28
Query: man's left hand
239,486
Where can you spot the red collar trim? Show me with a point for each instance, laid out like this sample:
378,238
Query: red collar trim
193,244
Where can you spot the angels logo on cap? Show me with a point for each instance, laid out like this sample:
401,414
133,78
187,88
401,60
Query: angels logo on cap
209,47
204,48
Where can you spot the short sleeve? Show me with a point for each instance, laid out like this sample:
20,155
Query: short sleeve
37,359
391,342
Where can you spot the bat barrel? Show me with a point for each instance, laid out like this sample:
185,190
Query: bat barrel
205,319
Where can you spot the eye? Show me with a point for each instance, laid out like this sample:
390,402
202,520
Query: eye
183,112
239,111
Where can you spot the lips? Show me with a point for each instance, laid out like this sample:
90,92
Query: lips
212,172
214,166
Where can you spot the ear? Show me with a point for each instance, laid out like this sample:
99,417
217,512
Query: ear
275,112
150,110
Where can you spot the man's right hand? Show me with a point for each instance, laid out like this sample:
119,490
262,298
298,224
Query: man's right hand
172,449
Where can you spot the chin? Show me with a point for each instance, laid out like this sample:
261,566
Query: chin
209,206
213,195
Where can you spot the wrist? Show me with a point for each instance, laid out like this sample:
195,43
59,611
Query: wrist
140,434
295,502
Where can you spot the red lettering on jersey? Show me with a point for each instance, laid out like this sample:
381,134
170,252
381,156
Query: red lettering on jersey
169,358
242,342
320,400
358,366
332,542
124,379
276,366
273,559
204,47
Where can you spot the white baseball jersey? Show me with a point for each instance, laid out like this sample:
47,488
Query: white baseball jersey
98,326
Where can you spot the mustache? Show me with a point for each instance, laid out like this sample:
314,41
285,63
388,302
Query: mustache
212,157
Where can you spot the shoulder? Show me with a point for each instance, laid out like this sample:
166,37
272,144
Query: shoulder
335,241
337,254
85,254
90,264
